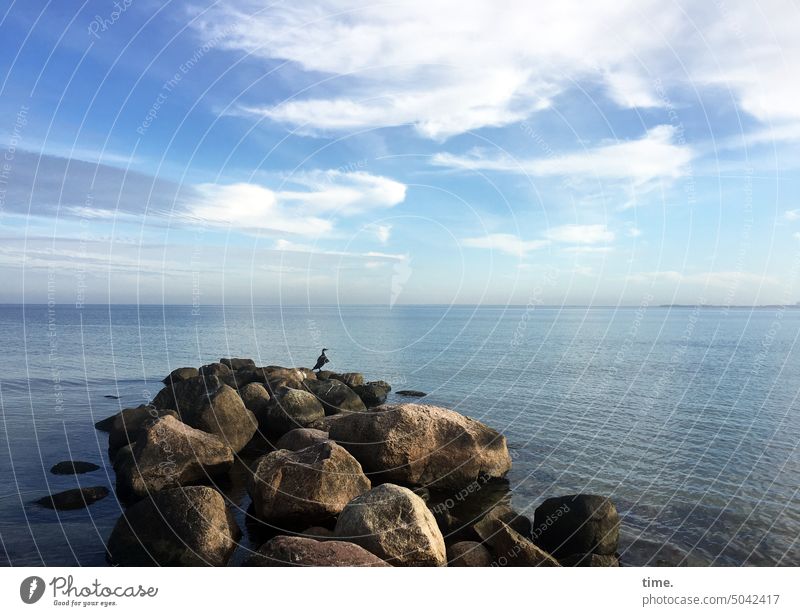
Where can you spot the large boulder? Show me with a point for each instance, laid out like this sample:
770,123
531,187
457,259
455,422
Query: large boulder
178,527
417,444
255,397
513,550
394,524
237,363
167,454
285,551
373,393
335,396
488,527
180,374
128,425
220,371
576,524
279,377
468,554
208,405
300,438
306,487
290,409
348,378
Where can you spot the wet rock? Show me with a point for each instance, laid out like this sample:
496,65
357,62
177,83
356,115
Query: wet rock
416,444
310,486
255,397
178,527
168,454
76,498
576,524
394,524
292,408
487,527
180,374
335,396
468,554
128,424
513,550
285,551
300,438
207,404
73,467
104,425
373,393
411,393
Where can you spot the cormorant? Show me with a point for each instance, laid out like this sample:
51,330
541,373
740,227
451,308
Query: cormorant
321,361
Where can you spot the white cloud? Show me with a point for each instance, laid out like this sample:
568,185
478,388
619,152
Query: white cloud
792,215
308,212
506,243
654,156
632,231
449,67
581,234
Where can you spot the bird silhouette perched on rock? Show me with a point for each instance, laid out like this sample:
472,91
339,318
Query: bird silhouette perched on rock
321,361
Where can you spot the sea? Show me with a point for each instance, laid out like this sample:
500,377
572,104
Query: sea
687,418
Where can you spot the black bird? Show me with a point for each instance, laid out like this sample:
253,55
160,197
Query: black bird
321,361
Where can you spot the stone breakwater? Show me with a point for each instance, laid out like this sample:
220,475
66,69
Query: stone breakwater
335,476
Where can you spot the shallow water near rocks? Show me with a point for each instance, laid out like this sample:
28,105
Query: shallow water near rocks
688,419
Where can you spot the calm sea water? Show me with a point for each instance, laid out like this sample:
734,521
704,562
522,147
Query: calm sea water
688,419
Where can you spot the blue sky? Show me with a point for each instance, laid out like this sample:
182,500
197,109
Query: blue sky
413,152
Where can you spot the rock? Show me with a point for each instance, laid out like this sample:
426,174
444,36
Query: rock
310,486
468,554
111,397
335,396
394,524
221,371
590,560
129,423
104,425
320,533
487,527
300,438
236,363
292,408
255,397
178,527
77,498
180,374
73,467
513,550
457,512
373,393
324,424
283,551
168,454
411,393
324,375
208,405
348,378
576,524
251,375
417,444
278,377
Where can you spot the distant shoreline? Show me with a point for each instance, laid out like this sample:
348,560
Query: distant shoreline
482,306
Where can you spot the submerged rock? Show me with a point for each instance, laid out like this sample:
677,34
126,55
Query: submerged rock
335,396
292,408
73,467
417,444
394,524
411,393
300,438
178,527
305,487
76,498
577,524
373,393
285,551
168,454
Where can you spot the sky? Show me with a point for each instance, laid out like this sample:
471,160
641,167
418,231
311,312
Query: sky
197,152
